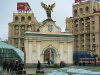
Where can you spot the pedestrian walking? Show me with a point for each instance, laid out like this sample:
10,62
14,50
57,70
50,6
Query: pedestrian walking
38,65
8,67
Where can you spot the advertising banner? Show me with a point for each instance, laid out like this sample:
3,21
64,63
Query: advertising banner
76,1
23,6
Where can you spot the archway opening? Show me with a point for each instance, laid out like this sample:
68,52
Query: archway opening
50,55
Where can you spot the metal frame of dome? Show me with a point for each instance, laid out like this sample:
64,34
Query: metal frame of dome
18,51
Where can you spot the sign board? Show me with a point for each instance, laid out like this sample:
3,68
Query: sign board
76,1
23,6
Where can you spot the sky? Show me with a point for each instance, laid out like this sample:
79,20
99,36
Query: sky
62,10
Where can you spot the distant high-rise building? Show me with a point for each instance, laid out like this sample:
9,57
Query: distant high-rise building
85,25
21,23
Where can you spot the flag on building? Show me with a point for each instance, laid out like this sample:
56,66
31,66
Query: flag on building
23,6
76,1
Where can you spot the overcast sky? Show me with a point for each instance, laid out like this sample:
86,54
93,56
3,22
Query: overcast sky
62,10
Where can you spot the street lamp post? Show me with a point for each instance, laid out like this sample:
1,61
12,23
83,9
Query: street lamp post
94,54
89,55
94,60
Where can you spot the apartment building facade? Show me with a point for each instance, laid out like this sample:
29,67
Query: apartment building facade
85,25
21,23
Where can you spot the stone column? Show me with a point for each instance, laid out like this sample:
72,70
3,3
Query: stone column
30,52
97,35
79,37
61,50
19,42
38,50
26,56
91,33
70,51
13,33
85,35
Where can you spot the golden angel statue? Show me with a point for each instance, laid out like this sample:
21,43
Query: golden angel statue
48,9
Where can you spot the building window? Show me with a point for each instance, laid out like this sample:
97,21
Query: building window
16,27
22,32
16,30
29,28
87,9
72,26
75,12
93,40
29,18
22,27
93,22
16,18
72,31
16,41
22,41
93,27
81,11
23,18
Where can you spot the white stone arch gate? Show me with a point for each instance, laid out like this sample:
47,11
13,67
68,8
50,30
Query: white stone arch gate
53,55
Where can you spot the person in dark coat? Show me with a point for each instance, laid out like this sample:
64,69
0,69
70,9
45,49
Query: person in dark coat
62,64
38,65
48,62
5,65
12,67
8,67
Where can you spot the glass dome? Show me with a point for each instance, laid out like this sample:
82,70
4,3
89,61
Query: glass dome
9,52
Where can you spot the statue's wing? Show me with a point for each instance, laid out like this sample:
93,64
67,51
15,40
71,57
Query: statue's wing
52,6
44,5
